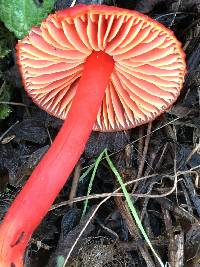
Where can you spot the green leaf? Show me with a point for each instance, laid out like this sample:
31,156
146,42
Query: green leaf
4,111
20,15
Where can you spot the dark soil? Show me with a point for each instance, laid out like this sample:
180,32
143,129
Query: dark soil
165,154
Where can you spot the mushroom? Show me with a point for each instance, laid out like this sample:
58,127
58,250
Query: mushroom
97,67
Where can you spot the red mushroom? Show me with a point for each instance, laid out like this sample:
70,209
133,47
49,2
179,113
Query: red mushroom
101,68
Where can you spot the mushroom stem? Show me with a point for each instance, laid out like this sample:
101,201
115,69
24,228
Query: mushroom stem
38,194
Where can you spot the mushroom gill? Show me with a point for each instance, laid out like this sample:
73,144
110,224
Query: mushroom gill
149,64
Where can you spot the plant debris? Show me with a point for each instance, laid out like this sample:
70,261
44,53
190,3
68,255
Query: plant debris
159,161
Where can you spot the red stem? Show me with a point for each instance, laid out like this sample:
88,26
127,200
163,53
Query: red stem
34,200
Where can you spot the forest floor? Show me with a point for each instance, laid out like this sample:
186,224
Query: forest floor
160,160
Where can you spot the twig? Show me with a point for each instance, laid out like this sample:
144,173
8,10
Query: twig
160,127
145,149
133,229
192,193
176,250
160,241
135,141
40,244
144,154
173,13
174,17
8,130
187,199
13,103
83,230
195,150
76,177
140,145
167,204
158,164
110,231
73,3
50,139
115,193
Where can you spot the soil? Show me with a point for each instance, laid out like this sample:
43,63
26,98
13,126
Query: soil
162,159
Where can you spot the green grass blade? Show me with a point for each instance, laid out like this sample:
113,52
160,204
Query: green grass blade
86,172
96,164
132,208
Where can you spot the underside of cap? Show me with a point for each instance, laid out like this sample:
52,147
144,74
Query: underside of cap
149,63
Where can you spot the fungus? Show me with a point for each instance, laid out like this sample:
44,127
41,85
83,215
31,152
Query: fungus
96,67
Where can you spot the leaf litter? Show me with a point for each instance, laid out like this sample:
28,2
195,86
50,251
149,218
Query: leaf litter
161,163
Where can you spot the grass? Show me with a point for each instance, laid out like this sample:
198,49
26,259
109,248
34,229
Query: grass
94,167
126,195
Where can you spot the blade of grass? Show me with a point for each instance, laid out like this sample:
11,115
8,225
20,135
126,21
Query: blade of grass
95,166
86,172
132,208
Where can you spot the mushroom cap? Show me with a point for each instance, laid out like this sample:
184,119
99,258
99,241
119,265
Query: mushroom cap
149,63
